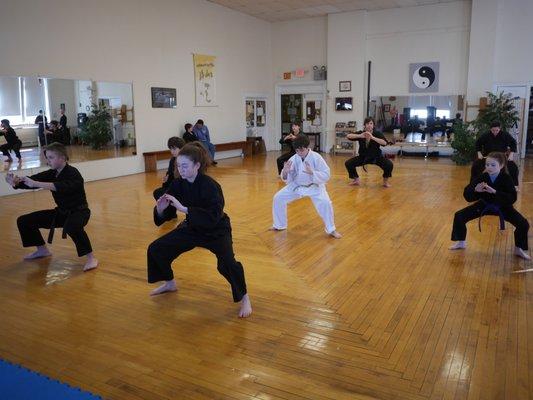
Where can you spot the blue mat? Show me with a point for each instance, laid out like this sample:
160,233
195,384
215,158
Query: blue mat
19,383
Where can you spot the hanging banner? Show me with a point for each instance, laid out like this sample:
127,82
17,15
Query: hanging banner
204,80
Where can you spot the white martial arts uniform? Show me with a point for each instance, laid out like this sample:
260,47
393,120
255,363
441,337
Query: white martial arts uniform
301,184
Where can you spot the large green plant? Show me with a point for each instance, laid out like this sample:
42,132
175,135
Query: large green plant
500,107
97,131
463,143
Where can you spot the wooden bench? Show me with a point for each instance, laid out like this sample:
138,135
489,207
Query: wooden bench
151,157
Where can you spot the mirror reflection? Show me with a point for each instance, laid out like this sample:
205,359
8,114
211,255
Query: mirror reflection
94,119
417,118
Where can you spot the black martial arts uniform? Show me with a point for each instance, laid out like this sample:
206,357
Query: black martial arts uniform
503,142
190,137
170,177
13,143
72,212
369,153
205,225
499,203
281,160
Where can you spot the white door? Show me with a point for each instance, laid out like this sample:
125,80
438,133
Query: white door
519,94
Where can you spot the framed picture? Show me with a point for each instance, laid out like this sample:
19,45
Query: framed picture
163,97
345,86
386,107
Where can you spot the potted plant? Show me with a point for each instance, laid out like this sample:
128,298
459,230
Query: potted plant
499,108
97,131
463,143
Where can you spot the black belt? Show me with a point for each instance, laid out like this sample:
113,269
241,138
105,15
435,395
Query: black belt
64,212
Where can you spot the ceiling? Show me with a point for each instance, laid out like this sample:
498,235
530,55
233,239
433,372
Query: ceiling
286,10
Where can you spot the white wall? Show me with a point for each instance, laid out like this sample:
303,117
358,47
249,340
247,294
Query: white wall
397,37
346,62
513,59
149,44
299,44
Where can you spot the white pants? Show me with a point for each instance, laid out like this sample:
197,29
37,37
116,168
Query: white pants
288,194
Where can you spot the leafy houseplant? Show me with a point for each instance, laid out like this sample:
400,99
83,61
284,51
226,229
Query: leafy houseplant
97,131
463,143
499,108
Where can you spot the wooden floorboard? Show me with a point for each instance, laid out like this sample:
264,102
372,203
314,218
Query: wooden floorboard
387,312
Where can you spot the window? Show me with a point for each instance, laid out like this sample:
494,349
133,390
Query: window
443,114
421,113
21,98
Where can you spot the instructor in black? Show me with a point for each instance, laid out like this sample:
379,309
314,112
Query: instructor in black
495,140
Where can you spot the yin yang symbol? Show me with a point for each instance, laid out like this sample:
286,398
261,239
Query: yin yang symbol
423,77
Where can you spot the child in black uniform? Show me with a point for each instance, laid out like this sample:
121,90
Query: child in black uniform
206,225
72,211
174,144
494,194
13,142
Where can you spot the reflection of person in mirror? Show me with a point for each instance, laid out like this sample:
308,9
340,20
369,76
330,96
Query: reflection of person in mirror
72,211
200,199
202,133
62,119
13,142
41,121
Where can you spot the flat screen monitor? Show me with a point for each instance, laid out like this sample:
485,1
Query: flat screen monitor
343,103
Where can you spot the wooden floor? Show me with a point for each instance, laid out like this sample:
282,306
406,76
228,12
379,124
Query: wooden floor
33,157
387,312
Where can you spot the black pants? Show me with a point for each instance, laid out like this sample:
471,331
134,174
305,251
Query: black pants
167,248
15,147
29,225
474,211
382,162
283,159
478,166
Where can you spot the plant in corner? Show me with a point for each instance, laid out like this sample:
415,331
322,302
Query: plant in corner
97,131
499,108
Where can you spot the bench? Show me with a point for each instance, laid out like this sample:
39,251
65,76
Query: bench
151,157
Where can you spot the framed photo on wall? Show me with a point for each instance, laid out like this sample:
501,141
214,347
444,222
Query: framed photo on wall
345,86
163,97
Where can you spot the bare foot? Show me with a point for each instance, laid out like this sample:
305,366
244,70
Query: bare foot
168,286
91,263
39,253
355,182
276,229
335,234
246,307
386,183
459,245
521,253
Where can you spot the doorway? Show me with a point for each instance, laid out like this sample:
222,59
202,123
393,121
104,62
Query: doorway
303,103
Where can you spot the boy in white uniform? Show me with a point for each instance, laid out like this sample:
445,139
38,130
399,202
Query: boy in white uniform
305,174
